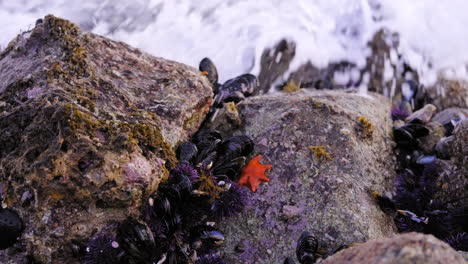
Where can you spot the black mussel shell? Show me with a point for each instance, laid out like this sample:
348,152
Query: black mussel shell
247,84
403,136
11,227
177,188
206,138
306,248
289,260
230,169
417,128
234,147
137,240
235,97
206,65
186,152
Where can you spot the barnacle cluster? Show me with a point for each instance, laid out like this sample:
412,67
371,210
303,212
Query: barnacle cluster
416,204
178,223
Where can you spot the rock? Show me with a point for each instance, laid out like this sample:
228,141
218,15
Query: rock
464,254
443,147
447,93
436,132
449,114
410,248
328,184
274,63
88,127
424,114
459,152
452,182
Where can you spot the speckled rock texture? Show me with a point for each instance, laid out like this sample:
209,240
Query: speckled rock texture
308,190
89,128
410,248
460,146
447,93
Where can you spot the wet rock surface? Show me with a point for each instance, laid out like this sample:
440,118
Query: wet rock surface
460,146
88,129
447,93
408,248
327,148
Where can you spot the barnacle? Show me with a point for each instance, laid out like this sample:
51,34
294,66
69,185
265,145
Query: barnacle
320,153
103,249
254,174
365,127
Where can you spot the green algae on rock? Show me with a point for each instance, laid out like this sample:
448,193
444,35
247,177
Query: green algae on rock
88,129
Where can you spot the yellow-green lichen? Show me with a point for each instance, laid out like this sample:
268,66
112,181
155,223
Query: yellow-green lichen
320,153
147,136
67,35
365,127
291,87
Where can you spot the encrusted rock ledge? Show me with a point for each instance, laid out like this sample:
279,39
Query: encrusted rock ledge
88,127
328,150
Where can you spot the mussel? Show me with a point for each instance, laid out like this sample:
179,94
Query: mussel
137,240
306,248
208,68
234,90
407,134
186,152
11,227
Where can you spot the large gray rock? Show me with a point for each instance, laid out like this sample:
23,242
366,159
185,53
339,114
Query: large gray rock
88,130
410,248
308,191
447,93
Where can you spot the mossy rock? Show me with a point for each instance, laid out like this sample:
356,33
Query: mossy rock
89,127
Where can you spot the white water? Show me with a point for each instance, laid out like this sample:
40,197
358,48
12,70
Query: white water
233,33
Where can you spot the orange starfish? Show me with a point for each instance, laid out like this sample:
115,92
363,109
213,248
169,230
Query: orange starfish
254,173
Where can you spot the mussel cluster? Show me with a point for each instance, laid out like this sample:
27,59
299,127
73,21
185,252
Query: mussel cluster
416,204
178,222
233,90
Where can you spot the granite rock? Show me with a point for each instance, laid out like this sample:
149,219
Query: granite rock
328,150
